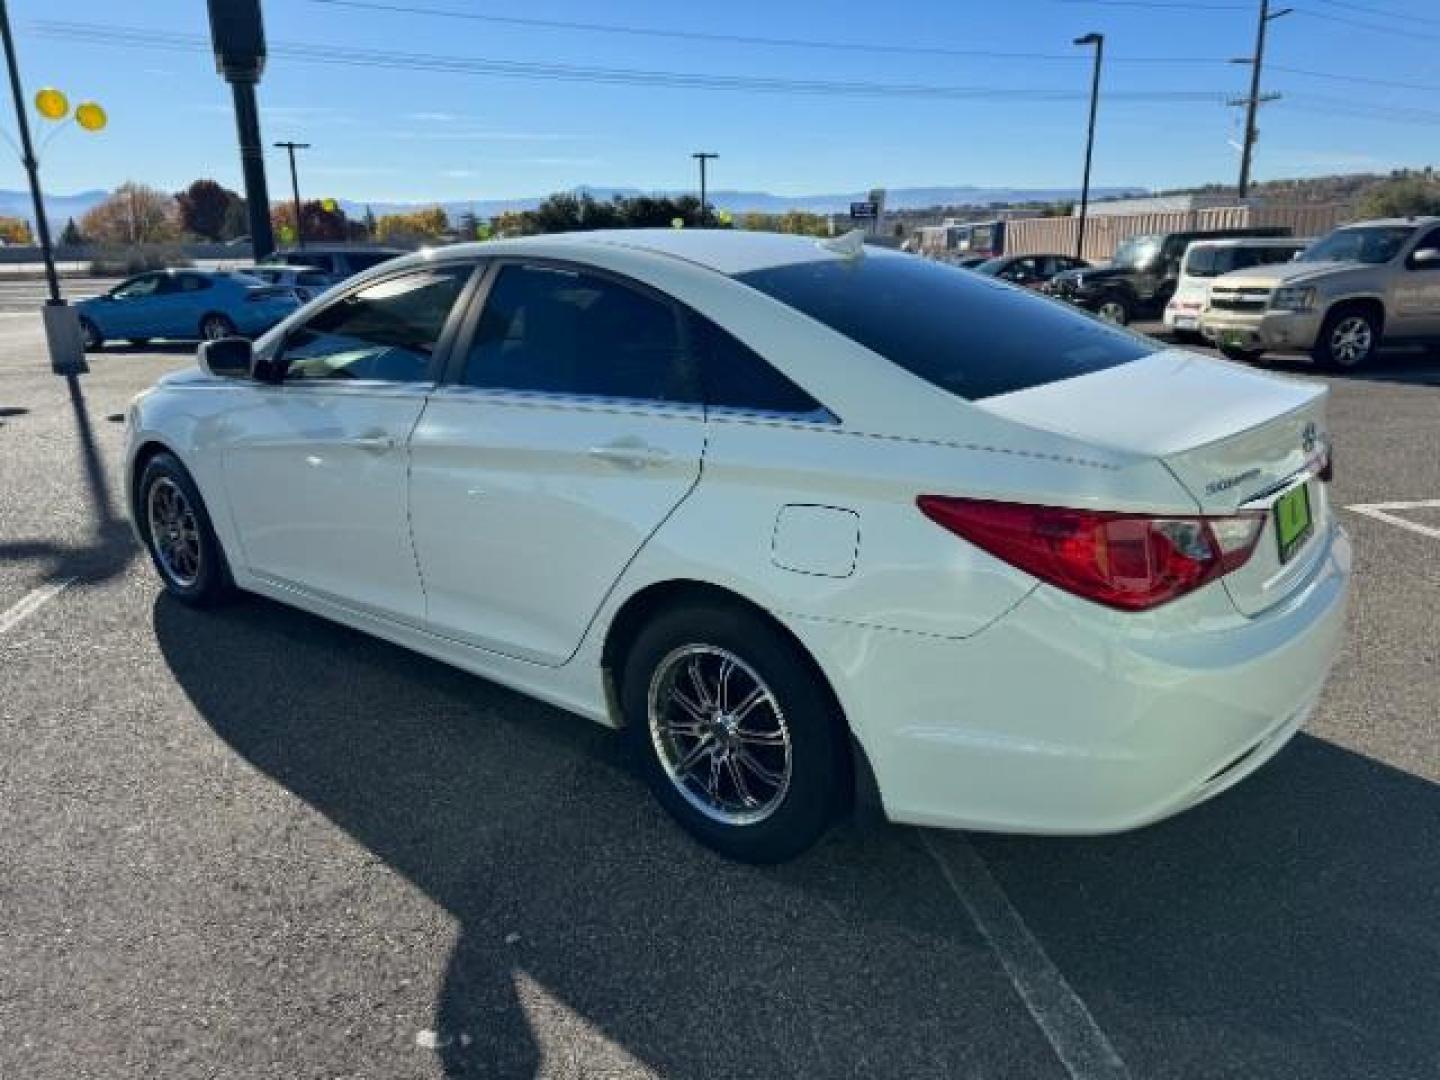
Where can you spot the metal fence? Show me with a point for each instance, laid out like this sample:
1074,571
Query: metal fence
1104,234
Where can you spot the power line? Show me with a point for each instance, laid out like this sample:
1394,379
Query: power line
1359,24
1363,80
632,30
1380,12
113,36
1158,5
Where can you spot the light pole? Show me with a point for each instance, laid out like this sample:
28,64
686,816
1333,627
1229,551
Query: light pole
1253,101
702,157
62,325
295,187
1098,40
238,33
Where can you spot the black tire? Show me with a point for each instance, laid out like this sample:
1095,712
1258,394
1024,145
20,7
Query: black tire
1115,308
1241,356
1348,339
1187,337
209,582
800,710
215,326
90,334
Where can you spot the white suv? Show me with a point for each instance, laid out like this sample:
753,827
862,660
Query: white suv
1206,260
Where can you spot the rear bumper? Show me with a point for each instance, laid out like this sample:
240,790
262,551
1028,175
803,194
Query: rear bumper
1275,331
1065,718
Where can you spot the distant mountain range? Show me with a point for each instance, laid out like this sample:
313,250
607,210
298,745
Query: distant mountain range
60,207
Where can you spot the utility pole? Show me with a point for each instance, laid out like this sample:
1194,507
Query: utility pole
1253,102
1098,40
295,187
239,39
703,157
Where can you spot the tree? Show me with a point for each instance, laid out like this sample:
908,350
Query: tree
237,220
204,208
14,230
1402,196
133,214
320,223
418,225
71,237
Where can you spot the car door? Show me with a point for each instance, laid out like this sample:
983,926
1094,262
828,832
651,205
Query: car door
570,427
188,298
316,467
1417,294
129,307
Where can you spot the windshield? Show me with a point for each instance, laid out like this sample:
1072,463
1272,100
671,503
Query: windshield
1374,245
1208,262
1137,251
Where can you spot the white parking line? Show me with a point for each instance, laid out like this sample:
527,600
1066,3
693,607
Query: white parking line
30,603
1380,512
1062,1016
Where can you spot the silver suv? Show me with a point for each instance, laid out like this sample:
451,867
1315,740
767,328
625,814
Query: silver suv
1363,284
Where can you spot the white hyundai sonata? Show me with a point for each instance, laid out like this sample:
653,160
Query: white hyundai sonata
790,513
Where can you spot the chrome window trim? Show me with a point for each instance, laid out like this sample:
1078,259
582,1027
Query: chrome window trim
557,399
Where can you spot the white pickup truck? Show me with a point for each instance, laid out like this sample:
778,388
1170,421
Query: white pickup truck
1364,284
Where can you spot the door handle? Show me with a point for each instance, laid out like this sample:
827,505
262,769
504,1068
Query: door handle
630,454
379,443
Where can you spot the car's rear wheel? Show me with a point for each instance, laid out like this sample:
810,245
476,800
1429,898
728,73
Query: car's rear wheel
1348,340
90,335
216,326
736,732
178,534
1114,309
1241,355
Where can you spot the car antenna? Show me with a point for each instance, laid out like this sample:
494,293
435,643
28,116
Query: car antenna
849,246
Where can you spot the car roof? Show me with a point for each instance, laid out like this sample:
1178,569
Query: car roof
727,251
1253,241
333,249
1392,223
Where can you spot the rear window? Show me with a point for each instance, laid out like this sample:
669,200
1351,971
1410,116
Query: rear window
1207,262
965,333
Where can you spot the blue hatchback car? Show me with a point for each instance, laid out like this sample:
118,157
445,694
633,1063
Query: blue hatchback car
185,305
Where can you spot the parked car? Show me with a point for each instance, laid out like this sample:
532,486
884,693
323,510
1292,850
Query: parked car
184,304
1206,260
1140,280
788,512
306,281
1032,271
336,261
1363,285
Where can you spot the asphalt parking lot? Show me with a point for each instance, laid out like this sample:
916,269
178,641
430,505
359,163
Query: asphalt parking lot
250,843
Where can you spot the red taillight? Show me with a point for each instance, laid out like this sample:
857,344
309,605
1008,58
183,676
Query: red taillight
1126,561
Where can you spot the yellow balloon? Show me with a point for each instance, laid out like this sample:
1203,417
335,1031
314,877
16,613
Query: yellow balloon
329,205
91,117
52,104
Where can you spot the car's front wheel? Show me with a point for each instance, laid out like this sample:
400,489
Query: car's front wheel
214,327
1348,340
178,533
1114,309
90,335
736,732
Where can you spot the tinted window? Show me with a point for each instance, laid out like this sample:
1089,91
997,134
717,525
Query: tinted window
1374,244
736,377
364,260
963,332
192,282
387,331
145,285
561,331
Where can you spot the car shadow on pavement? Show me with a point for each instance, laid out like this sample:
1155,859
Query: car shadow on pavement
1285,929
1406,367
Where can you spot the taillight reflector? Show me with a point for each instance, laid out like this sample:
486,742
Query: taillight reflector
1132,562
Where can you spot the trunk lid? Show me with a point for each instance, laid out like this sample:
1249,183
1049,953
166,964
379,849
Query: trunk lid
1237,440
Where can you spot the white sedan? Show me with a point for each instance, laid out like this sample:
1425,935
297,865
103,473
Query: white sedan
790,513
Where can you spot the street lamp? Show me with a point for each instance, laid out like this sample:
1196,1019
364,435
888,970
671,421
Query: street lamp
62,325
291,147
1098,40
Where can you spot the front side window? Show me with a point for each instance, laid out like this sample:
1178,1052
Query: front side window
135,288
387,331
957,330
555,330
1136,252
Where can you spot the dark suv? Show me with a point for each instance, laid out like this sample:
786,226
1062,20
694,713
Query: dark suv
1141,278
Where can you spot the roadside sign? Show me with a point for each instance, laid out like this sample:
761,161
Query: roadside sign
864,211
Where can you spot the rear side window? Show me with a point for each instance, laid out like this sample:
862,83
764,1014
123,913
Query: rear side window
551,329
963,332
737,377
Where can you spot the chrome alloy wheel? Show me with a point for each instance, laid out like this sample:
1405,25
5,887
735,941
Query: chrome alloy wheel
1112,311
720,734
1351,340
174,532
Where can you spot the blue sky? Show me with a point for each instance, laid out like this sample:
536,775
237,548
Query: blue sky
382,134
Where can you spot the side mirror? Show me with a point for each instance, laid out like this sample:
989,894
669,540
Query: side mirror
1425,259
227,358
